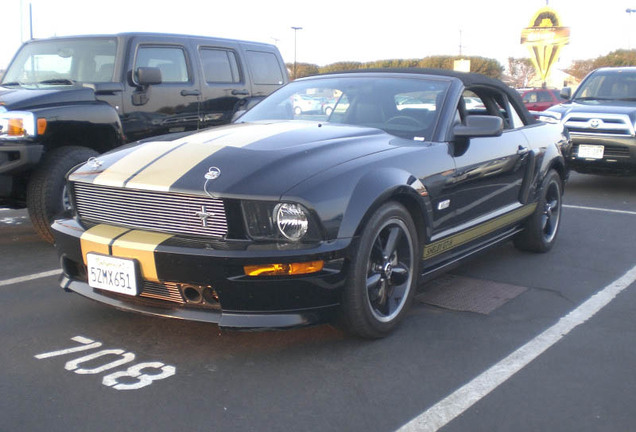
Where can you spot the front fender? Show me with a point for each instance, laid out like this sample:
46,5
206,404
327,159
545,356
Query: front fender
374,189
97,118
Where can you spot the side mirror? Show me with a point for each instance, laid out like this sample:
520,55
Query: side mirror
479,126
566,93
148,76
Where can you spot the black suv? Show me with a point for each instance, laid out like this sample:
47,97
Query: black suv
64,100
601,118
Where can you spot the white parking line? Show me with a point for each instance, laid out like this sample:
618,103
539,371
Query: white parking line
600,209
30,277
443,412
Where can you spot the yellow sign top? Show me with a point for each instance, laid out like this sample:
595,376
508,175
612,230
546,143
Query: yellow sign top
544,38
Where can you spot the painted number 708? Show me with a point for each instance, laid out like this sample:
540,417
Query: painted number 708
133,378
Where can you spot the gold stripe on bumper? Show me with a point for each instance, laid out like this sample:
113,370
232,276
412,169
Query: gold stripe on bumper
125,243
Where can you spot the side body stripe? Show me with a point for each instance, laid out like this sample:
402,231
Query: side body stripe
440,246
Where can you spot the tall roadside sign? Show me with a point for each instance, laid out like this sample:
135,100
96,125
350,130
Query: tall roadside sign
544,38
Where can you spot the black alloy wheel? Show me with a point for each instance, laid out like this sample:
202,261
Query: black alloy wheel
383,273
541,229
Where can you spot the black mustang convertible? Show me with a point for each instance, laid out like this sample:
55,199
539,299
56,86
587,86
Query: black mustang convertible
333,199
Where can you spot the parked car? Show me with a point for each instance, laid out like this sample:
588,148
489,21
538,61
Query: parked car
277,222
601,118
63,100
304,104
540,99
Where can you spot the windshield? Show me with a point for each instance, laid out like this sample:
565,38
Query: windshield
63,62
609,85
406,107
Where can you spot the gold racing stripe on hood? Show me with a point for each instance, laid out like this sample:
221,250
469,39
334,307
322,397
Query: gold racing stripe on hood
162,174
117,174
125,243
99,238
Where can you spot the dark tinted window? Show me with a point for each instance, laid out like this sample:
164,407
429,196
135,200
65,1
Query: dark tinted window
219,66
265,68
170,60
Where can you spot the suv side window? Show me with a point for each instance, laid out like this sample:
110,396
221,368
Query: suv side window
170,60
544,96
530,97
265,68
219,65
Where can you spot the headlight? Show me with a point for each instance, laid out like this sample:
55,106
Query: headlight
20,124
550,116
279,221
292,220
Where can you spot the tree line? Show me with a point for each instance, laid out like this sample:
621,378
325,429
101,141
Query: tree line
518,73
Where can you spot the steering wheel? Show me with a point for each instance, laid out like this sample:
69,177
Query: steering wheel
404,120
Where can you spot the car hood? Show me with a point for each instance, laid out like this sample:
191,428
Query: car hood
597,107
261,160
26,98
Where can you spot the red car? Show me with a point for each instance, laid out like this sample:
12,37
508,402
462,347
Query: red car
540,99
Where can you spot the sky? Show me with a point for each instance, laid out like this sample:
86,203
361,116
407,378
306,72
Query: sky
336,30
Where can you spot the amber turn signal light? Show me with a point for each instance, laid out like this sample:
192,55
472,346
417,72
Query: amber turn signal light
284,269
41,126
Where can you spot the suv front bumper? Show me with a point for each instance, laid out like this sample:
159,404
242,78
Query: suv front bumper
619,155
19,156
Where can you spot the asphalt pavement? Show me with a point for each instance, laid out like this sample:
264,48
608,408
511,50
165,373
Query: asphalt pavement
558,355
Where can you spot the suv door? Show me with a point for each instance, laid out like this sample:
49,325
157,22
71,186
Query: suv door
225,84
172,105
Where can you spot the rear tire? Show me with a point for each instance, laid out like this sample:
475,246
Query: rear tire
46,192
541,229
383,274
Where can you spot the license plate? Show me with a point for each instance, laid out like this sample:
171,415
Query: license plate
591,151
112,274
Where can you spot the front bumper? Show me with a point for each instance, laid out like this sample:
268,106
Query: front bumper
205,281
619,156
16,157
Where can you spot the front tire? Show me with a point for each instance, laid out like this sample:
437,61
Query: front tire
541,229
384,273
47,197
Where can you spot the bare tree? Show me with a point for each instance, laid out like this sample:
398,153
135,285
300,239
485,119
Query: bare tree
521,72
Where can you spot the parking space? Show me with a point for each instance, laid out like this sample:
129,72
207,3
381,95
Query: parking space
71,364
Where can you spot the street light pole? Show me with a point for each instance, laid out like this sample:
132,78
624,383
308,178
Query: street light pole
629,41
295,31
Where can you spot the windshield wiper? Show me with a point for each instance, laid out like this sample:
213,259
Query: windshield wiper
630,99
11,84
62,81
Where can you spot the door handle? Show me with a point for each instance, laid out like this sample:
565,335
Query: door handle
190,93
521,150
242,92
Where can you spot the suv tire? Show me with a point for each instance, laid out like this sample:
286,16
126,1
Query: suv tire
46,193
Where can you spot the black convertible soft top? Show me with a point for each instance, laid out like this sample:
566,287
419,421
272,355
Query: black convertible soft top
469,79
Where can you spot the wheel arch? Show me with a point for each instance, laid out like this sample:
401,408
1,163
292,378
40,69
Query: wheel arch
95,126
374,190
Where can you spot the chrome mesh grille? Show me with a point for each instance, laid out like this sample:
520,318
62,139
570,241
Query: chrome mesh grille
599,124
149,210
167,291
